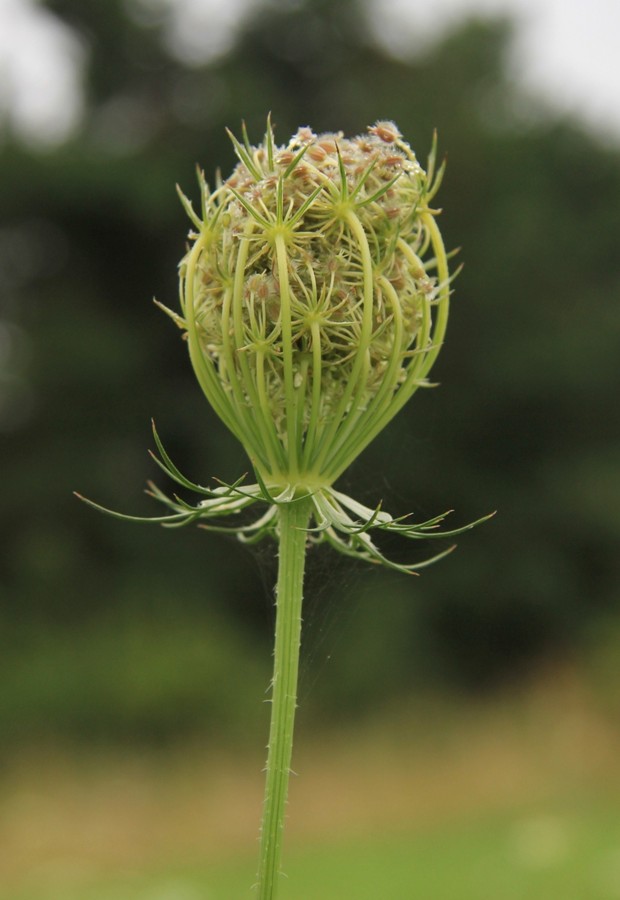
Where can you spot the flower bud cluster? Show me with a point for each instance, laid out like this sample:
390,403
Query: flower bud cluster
314,295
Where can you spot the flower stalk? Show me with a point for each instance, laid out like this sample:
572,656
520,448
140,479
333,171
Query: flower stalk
293,523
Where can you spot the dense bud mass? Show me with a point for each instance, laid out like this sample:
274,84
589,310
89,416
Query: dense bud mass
314,295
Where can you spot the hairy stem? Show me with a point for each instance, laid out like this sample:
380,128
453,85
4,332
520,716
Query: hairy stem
292,552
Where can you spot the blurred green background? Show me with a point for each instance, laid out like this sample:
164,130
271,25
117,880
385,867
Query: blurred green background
130,653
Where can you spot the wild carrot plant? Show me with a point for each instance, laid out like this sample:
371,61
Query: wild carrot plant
314,298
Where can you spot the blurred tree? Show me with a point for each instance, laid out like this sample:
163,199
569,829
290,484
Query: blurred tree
526,419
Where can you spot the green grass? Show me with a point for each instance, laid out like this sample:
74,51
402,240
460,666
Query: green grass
516,798
563,852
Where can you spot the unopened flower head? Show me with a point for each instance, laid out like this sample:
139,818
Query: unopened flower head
314,298
314,295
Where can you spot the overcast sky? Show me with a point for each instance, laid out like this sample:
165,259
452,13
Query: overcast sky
567,51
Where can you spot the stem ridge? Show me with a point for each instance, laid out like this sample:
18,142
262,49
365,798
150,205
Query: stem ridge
292,534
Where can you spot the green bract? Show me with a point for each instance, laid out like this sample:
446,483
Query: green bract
315,297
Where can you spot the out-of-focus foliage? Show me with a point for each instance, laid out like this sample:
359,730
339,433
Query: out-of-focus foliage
525,421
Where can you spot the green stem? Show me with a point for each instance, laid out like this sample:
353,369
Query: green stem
292,553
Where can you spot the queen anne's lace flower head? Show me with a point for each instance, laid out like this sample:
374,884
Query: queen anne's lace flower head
314,299
314,295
